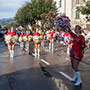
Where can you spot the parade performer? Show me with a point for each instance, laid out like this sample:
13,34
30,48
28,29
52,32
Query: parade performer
11,39
51,36
21,40
78,45
88,39
7,34
36,38
43,39
40,31
27,38
47,35
68,40
76,54
57,35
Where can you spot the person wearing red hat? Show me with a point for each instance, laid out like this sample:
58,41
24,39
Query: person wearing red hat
21,43
68,41
27,34
8,34
51,38
76,54
37,44
43,39
12,45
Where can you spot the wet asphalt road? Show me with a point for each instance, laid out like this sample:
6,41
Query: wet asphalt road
25,72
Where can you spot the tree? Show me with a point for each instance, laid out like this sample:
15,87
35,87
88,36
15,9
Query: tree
48,19
10,24
23,15
30,12
85,10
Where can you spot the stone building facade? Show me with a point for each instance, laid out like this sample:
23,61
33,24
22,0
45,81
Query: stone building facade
68,8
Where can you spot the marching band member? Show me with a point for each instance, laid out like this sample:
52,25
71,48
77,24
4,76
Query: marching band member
76,54
12,45
21,40
11,39
28,36
36,39
68,41
51,35
43,39
88,39
57,35
8,34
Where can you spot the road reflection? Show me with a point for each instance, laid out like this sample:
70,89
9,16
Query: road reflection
58,82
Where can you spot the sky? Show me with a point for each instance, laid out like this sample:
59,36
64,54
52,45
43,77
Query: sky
8,8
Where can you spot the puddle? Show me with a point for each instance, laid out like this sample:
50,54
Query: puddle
58,82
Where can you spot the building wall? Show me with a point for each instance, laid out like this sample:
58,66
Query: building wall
61,9
68,7
81,21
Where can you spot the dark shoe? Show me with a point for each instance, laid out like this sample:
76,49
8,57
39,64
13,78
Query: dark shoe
80,85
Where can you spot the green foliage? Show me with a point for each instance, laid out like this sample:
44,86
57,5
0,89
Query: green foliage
85,10
10,24
23,15
48,19
31,11
36,25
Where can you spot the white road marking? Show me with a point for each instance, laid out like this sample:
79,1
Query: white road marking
65,75
44,62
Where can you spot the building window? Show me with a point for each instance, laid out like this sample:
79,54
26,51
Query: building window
60,3
77,14
77,1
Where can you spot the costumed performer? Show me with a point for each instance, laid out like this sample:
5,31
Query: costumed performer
27,39
51,35
36,38
11,39
43,39
21,40
76,54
